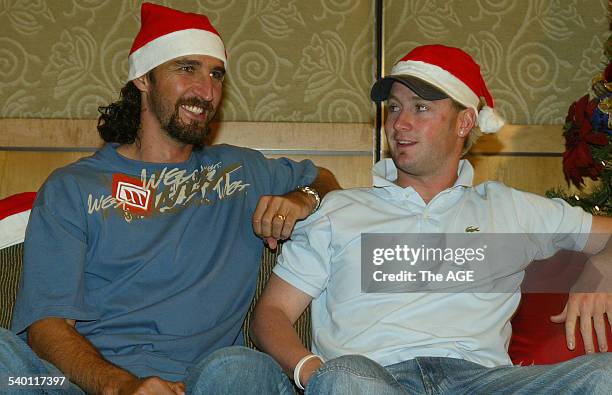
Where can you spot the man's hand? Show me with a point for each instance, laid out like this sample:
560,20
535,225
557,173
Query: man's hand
591,308
275,216
57,341
150,386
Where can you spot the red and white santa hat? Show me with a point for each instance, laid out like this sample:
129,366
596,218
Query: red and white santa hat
14,215
166,34
435,72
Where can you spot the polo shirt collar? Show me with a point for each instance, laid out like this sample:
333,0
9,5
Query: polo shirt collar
385,174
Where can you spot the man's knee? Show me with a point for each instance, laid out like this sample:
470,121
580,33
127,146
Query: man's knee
237,370
355,364
352,374
15,355
601,371
237,357
590,373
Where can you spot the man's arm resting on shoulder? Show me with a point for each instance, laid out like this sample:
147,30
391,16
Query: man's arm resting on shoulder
275,216
325,182
279,306
57,341
592,307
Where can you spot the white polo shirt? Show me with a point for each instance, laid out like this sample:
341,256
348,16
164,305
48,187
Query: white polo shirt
323,260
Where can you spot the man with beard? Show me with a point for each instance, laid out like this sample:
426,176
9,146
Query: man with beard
141,260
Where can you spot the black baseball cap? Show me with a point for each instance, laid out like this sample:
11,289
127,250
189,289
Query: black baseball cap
382,87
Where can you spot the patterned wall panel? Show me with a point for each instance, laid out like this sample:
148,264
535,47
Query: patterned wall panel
296,60
289,60
537,56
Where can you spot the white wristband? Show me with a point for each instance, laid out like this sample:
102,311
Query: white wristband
298,367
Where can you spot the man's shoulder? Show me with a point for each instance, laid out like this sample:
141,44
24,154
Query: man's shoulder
231,151
354,193
499,190
494,189
351,197
515,202
76,177
85,167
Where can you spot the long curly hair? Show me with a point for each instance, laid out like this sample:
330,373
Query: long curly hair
119,121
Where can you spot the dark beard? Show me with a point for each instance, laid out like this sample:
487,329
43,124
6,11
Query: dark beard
193,133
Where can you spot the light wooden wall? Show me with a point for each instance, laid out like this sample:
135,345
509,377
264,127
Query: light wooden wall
31,148
523,156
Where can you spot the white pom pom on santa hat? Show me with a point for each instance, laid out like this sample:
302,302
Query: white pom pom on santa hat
453,72
489,121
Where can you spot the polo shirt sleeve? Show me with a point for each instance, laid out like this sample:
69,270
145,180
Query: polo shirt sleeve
52,282
305,260
552,223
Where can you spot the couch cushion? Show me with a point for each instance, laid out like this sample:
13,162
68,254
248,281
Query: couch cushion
14,214
302,325
537,340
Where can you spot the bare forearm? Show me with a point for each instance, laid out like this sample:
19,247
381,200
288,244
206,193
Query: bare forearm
273,333
279,306
56,341
325,182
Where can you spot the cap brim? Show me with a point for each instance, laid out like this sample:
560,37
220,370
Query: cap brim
382,88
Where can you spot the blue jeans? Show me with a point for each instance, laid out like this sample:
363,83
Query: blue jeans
355,374
231,370
18,360
238,370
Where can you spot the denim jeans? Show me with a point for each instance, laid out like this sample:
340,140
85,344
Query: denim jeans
18,360
355,374
231,370
238,370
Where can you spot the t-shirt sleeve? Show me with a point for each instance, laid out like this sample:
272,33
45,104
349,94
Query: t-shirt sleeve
306,258
52,282
552,223
285,174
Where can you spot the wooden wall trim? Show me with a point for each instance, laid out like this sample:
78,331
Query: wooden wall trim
522,139
275,137
71,134
56,133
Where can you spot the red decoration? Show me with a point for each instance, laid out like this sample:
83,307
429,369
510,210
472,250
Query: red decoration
578,160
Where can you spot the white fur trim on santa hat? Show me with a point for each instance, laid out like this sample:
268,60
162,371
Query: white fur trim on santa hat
12,228
488,120
174,45
441,79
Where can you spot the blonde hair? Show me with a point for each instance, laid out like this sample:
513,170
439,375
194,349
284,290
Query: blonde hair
471,139
472,136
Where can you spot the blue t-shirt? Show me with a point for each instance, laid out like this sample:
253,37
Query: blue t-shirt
157,262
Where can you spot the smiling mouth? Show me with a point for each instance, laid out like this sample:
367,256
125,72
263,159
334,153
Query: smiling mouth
405,143
193,109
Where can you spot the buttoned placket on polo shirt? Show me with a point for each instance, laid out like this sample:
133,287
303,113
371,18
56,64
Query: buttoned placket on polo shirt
408,198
